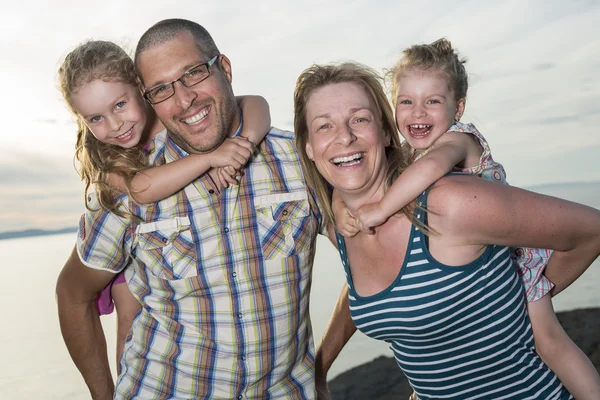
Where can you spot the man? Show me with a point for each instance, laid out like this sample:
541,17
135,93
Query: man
223,277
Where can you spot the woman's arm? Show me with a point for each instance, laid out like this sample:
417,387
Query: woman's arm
257,118
451,149
479,213
339,330
154,184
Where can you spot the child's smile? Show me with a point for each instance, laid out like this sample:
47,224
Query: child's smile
425,107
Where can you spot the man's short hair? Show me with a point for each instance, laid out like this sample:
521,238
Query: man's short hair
168,29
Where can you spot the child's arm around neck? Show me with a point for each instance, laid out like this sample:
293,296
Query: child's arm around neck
257,117
450,150
157,183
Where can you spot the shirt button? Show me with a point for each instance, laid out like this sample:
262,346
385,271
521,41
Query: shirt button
165,240
234,274
226,230
89,198
243,358
211,191
239,315
285,212
240,397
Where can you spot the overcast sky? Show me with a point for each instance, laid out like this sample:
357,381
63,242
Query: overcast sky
533,67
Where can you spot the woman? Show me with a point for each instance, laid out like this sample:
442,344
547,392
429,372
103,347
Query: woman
450,304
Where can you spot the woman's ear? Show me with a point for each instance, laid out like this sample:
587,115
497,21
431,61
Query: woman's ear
460,109
309,151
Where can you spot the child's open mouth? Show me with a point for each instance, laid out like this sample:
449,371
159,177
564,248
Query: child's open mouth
419,129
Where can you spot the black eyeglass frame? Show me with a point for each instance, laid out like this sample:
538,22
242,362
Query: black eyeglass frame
206,65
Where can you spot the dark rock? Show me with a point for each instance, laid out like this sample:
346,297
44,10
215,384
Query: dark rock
381,379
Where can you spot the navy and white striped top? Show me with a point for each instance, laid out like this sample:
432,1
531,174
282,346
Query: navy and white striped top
457,332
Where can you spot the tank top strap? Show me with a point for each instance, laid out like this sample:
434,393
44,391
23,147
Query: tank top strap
422,206
421,215
341,245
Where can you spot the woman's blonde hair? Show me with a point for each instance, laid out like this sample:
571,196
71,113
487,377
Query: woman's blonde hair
438,57
318,76
107,61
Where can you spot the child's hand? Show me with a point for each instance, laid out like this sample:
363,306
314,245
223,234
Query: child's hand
370,216
346,224
227,175
234,152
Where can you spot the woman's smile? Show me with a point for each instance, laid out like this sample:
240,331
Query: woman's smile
346,139
348,160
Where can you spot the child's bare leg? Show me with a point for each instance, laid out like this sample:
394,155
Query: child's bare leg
127,307
557,350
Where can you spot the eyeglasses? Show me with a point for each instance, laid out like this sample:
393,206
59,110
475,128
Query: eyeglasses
192,77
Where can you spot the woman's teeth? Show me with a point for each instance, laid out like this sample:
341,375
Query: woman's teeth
194,119
348,160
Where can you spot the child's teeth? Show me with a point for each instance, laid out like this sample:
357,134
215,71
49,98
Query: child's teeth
125,134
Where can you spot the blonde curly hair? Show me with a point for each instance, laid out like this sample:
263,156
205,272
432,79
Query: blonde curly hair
438,57
93,159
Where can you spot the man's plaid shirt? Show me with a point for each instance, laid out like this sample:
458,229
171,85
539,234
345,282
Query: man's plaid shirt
223,279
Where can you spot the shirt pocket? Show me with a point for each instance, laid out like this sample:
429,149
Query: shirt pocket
282,221
166,248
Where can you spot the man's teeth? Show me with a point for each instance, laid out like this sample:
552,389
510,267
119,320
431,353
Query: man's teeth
197,117
342,160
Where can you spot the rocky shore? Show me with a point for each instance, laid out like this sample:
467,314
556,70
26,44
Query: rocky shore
381,379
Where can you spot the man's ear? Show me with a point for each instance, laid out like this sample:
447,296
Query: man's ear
140,85
460,109
226,67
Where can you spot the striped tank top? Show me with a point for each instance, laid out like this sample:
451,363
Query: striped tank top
457,332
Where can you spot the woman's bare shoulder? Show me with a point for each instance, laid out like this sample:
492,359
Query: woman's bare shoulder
460,201
454,190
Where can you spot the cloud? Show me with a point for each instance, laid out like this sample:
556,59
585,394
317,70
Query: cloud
47,121
38,192
543,66
555,120
23,168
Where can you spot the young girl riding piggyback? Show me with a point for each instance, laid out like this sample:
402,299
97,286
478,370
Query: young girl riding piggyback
429,90
116,131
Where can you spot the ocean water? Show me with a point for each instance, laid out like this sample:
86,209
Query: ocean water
35,363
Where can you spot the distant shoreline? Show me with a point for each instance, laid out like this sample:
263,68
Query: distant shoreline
35,232
47,232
